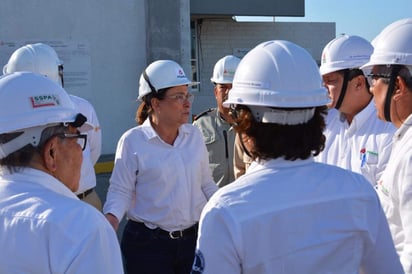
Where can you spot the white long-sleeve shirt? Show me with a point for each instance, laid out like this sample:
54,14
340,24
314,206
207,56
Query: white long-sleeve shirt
395,192
364,146
157,183
295,217
93,147
44,228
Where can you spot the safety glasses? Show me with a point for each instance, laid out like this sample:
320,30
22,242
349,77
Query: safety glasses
81,138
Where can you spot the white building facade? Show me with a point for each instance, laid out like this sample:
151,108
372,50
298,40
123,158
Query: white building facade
105,45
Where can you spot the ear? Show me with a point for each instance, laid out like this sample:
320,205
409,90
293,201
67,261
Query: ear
401,84
360,81
49,154
400,88
155,103
215,90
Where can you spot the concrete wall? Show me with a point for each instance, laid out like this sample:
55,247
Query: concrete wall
105,45
109,36
220,37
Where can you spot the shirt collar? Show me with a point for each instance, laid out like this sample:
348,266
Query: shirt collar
363,116
151,133
219,115
278,163
41,178
404,127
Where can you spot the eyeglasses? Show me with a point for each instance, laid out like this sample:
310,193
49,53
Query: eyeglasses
81,138
181,98
372,78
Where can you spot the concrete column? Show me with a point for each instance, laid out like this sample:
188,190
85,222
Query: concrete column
168,31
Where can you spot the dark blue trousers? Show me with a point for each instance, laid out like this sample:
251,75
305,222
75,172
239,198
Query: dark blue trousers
153,251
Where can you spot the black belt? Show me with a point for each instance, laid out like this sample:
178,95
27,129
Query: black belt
177,234
83,195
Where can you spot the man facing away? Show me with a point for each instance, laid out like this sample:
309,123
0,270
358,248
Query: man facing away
44,228
42,59
287,213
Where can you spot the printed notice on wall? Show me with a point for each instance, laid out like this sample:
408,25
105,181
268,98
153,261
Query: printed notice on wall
74,55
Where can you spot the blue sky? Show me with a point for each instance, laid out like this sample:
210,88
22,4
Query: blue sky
365,18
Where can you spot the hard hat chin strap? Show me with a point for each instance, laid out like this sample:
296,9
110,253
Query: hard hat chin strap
343,90
60,69
79,121
389,93
148,82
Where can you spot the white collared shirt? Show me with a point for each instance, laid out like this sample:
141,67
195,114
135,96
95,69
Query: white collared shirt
395,193
157,183
364,146
44,228
295,217
93,147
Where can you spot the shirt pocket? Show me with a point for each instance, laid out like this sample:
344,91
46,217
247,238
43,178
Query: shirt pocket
209,139
368,157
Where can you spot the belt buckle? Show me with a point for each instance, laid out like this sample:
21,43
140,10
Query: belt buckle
172,234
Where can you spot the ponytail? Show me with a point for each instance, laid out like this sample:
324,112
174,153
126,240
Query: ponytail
142,113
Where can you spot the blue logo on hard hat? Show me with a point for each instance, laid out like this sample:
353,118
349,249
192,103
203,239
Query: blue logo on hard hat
180,74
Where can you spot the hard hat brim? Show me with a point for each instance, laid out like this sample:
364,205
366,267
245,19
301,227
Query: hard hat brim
216,81
281,99
148,91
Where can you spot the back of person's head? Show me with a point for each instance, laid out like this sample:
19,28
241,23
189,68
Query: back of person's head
155,80
29,105
278,101
224,70
392,56
38,58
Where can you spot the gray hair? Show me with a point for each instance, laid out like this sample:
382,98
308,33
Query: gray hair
22,157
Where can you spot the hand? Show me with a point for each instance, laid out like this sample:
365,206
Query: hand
112,220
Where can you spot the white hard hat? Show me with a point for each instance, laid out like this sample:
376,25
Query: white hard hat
278,74
345,52
162,74
29,103
225,69
38,58
393,46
